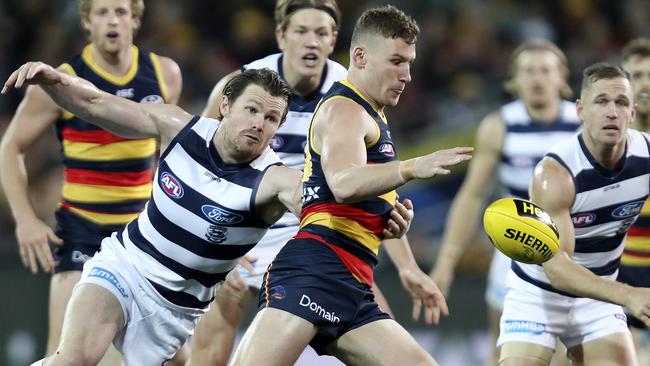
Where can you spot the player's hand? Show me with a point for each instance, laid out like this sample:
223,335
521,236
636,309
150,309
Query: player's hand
235,282
33,237
436,163
247,262
638,303
443,276
423,291
33,73
400,220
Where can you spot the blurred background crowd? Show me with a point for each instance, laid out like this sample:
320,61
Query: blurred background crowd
463,57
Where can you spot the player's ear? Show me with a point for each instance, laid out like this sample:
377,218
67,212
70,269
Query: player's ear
579,108
279,37
224,107
85,23
359,56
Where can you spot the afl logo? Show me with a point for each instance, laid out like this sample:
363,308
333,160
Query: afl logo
627,210
171,185
152,99
220,216
387,149
583,219
276,142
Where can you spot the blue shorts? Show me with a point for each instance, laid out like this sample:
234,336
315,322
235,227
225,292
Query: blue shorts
309,280
81,240
637,276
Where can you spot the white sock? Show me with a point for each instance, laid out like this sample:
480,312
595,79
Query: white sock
38,363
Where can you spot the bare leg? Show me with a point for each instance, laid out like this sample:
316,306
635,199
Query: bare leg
524,354
615,349
61,286
214,337
494,316
92,319
380,299
368,345
274,338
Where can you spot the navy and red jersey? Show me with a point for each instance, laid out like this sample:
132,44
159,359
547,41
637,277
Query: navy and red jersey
353,231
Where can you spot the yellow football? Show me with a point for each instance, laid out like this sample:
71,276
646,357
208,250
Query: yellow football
521,230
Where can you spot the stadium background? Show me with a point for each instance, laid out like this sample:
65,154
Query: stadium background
462,61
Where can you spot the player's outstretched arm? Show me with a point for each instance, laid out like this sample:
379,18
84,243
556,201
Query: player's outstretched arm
342,129
465,212
419,286
118,115
280,190
552,189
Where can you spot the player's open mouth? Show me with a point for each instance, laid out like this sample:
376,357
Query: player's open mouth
610,128
112,35
310,59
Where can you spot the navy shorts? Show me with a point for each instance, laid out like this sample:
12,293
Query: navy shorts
81,240
637,276
309,280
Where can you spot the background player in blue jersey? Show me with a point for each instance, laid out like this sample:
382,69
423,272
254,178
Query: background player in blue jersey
509,142
306,33
635,262
593,186
107,179
317,291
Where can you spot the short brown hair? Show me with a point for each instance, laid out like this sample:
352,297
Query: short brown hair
137,8
267,79
538,44
601,71
284,9
636,47
387,21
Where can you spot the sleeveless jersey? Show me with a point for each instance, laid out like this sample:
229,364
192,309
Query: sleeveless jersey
606,204
353,230
526,141
200,219
107,178
290,139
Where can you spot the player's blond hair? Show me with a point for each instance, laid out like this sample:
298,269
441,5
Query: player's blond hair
137,8
538,44
285,8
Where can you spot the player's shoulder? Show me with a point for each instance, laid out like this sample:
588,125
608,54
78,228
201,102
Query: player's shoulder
270,62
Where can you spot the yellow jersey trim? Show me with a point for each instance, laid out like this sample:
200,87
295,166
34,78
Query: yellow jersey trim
390,197
130,149
105,194
87,56
347,83
159,75
104,219
345,226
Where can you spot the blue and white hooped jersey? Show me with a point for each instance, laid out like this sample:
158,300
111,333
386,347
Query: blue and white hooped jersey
200,219
526,141
290,139
606,204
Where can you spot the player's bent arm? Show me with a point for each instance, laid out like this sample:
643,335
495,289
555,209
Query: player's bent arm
342,129
280,190
214,101
465,212
34,115
552,188
172,78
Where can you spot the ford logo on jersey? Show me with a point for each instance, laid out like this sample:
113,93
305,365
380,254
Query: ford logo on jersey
171,185
220,216
627,210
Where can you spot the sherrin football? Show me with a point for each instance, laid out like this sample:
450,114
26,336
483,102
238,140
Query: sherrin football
521,230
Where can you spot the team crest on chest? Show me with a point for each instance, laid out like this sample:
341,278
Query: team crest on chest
387,149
